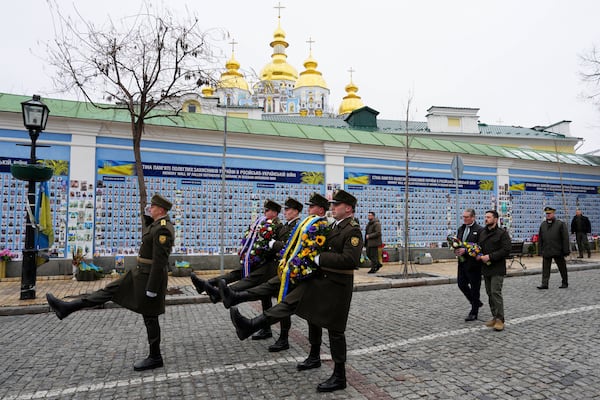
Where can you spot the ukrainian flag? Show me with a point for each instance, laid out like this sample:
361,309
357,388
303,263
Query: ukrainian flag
111,167
45,233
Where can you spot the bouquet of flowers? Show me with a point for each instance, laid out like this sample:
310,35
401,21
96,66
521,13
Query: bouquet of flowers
7,255
255,244
297,257
473,249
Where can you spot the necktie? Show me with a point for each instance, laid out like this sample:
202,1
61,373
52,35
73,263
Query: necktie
466,233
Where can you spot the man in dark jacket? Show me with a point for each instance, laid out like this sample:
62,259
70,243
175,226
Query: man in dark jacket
142,289
317,204
468,275
373,242
581,226
260,273
495,247
323,300
553,244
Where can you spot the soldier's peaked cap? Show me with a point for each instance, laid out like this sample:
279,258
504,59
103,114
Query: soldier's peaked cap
271,205
549,209
293,203
317,200
341,196
160,201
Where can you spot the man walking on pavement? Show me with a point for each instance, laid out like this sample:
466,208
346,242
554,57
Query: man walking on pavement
317,204
468,275
553,243
260,271
495,247
323,300
581,226
373,242
142,289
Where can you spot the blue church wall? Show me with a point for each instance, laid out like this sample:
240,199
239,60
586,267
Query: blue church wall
432,213
13,192
194,184
566,192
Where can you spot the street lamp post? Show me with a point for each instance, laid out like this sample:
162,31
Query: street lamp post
35,116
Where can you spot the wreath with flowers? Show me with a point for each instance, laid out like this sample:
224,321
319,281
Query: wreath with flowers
473,249
255,244
297,257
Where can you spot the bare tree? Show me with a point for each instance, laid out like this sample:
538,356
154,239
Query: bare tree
143,65
590,73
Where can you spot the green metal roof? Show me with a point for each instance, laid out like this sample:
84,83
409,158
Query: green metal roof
82,110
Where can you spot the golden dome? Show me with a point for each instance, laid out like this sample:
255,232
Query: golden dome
207,91
232,78
278,68
310,77
351,101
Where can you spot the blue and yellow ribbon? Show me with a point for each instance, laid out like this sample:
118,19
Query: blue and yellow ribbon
293,247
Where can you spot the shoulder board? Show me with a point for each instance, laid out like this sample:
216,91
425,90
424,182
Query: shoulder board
354,223
163,222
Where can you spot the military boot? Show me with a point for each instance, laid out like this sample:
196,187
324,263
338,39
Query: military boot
149,362
264,333
312,361
337,381
204,286
231,297
281,343
244,327
62,309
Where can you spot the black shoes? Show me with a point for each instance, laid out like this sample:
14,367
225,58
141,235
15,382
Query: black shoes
231,297
244,327
543,287
374,269
471,317
205,286
63,308
280,345
564,286
337,381
148,363
199,284
310,363
264,333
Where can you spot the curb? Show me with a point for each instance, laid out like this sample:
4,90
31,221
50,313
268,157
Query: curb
386,283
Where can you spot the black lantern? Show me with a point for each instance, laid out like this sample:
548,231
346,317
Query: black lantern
35,114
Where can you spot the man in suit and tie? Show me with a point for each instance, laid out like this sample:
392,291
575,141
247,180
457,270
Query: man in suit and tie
469,269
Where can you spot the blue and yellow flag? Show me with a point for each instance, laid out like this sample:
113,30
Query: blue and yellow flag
43,216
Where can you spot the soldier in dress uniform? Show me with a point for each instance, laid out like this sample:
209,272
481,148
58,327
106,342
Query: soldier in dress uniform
258,274
142,289
323,300
317,205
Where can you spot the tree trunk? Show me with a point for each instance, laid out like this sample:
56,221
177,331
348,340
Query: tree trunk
137,127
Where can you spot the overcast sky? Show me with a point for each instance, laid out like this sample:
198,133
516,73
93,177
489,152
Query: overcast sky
517,61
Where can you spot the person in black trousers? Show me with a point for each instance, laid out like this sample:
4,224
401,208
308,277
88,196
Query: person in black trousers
143,289
468,276
581,226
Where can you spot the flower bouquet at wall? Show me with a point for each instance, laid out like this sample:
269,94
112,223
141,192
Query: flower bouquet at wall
297,257
255,244
5,256
83,271
182,268
472,249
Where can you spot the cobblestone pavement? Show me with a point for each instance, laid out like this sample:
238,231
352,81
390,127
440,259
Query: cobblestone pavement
404,343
